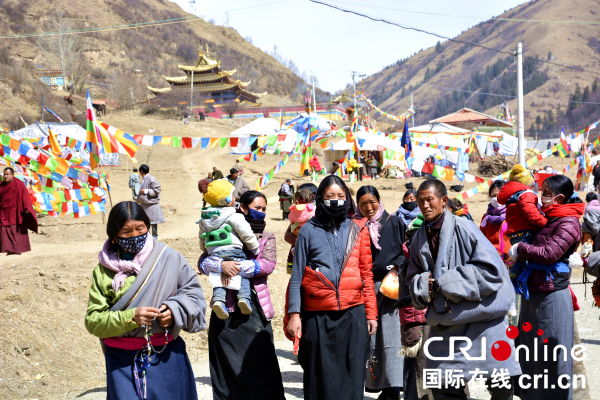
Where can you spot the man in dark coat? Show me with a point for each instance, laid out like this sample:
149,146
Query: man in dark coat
217,174
16,215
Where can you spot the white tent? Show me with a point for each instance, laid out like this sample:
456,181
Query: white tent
437,127
258,127
423,152
509,145
65,130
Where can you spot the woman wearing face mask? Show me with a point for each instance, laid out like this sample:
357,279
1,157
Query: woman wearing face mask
547,302
331,306
241,353
143,294
408,210
385,370
493,224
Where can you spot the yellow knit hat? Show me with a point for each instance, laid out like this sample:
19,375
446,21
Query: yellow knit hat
521,174
219,193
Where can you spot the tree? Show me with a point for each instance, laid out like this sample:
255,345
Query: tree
595,85
586,94
438,47
538,122
65,48
532,130
231,108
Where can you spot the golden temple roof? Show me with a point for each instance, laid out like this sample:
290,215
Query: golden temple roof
159,90
199,78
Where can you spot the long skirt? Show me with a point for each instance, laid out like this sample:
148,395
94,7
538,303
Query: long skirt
14,239
333,352
241,353
169,375
552,313
387,363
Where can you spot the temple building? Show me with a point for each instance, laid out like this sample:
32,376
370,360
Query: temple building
211,84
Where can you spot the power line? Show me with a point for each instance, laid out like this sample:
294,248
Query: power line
471,17
497,94
133,26
376,19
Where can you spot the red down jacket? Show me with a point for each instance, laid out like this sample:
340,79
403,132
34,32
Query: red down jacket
356,282
524,214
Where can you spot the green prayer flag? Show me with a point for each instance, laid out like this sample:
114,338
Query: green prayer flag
438,171
389,154
61,194
34,165
176,141
52,164
271,140
5,139
223,141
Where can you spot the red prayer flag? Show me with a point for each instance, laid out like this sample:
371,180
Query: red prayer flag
186,142
93,181
24,160
233,142
480,180
248,156
42,158
281,138
428,168
138,138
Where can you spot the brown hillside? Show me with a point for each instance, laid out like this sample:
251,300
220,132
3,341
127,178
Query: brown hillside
452,65
110,58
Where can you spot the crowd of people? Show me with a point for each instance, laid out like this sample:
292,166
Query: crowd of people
375,300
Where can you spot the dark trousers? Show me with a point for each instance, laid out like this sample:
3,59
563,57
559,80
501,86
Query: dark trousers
459,394
154,229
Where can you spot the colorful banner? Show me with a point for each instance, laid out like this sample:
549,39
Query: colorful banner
402,117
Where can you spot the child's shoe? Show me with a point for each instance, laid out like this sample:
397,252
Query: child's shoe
245,306
220,309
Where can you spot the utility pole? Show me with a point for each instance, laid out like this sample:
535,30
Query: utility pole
42,109
131,94
314,96
520,117
411,106
362,79
192,95
354,73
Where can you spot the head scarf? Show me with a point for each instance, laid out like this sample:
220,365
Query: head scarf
494,215
374,225
406,215
123,268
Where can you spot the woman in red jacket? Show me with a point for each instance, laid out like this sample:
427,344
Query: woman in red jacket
336,310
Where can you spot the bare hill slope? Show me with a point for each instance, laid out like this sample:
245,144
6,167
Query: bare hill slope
473,69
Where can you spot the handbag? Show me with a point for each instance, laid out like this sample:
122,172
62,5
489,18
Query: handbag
390,285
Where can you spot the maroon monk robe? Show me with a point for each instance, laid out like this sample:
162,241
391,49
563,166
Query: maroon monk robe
16,216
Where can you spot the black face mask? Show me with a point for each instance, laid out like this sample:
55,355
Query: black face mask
409,205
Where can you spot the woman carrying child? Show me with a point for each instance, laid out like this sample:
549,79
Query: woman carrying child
241,353
300,213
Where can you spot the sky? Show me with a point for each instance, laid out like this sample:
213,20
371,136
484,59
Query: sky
331,43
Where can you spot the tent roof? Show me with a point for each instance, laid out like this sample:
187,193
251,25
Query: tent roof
258,127
469,115
437,127
37,129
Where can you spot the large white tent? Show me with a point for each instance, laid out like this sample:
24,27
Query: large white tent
509,145
256,128
66,130
442,139
437,127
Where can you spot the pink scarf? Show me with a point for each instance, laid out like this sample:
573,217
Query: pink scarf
374,226
124,268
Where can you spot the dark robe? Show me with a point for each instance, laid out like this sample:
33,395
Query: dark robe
16,217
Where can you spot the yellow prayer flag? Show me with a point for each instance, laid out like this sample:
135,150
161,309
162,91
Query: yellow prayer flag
214,142
166,140
261,141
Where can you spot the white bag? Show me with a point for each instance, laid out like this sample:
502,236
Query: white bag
215,281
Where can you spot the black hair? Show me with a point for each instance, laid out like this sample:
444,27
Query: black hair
591,196
560,184
248,197
408,193
123,212
438,187
310,186
367,189
144,168
454,205
495,185
304,196
135,170
330,222
233,171
288,180
12,171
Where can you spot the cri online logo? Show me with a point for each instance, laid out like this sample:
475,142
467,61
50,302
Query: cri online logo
502,350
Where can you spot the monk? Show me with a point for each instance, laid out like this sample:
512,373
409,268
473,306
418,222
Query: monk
16,215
